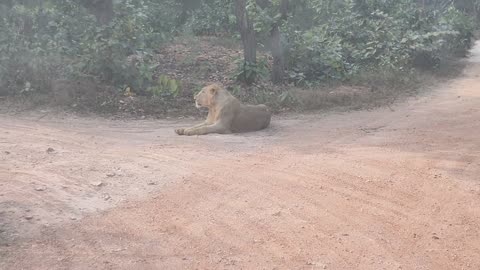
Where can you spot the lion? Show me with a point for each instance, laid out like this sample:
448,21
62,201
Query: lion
226,114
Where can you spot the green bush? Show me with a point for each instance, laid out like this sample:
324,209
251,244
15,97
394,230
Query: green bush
61,39
213,17
121,52
464,26
165,87
244,70
30,50
361,35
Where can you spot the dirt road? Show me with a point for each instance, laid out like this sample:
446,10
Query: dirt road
394,188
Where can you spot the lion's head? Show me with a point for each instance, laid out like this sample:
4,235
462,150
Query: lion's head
207,96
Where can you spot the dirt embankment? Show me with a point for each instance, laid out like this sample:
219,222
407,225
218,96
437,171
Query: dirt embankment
394,188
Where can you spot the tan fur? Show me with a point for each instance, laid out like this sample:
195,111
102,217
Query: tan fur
226,114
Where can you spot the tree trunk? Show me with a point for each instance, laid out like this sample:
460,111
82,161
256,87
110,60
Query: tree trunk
278,70
477,12
247,33
278,53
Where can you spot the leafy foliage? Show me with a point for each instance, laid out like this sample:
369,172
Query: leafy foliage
389,34
63,39
27,42
213,17
165,87
245,70
322,40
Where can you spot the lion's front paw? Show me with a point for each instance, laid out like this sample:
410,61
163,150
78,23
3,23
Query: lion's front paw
180,131
189,132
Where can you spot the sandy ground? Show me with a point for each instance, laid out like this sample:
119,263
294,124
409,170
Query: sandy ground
393,188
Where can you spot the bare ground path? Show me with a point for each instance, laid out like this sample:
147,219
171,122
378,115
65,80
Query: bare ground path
383,189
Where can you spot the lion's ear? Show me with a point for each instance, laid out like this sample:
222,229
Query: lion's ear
213,90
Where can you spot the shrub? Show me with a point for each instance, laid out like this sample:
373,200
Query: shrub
62,40
391,34
29,51
213,17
